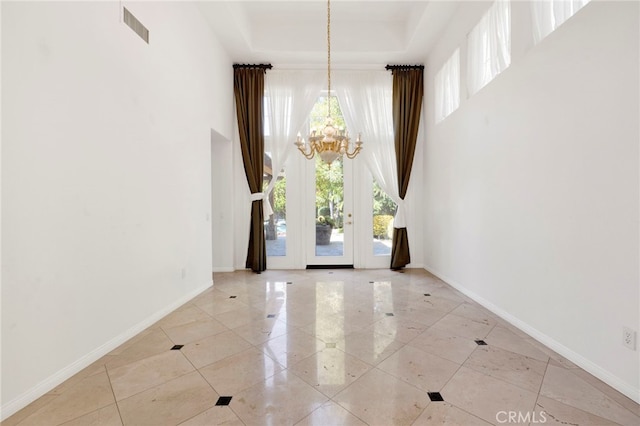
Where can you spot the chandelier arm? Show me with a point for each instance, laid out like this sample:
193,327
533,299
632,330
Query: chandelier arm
352,155
308,155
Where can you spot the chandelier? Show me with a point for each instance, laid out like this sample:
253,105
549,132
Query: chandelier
330,143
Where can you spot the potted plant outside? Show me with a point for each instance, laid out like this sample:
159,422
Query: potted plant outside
324,227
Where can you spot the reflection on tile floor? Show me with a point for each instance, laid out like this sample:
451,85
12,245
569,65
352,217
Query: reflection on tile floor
321,348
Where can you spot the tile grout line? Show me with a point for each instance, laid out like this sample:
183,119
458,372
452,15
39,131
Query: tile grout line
343,390
454,405
546,368
114,394
569,404
506,381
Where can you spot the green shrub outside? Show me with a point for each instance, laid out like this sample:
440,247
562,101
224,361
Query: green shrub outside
324,211
381,225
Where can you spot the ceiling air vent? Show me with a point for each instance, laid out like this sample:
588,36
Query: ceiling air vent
136,25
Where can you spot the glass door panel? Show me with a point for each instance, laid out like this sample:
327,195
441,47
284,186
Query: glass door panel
384,209
330,216
329,204
275,226
331,226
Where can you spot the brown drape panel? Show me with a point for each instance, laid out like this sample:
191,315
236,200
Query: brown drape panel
249,94
408,88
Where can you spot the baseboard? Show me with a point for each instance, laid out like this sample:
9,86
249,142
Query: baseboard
582,362
223,269
18,403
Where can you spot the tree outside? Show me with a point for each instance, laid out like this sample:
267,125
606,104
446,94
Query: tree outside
329,178
382,203
279,198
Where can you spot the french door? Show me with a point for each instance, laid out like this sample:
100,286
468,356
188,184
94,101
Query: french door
345,196
329,213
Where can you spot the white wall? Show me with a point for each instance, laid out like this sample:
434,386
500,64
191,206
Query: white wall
106,178
532,185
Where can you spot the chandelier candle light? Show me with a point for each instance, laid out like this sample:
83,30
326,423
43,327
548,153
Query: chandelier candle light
330,143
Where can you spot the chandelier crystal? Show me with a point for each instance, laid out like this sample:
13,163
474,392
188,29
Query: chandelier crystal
330,143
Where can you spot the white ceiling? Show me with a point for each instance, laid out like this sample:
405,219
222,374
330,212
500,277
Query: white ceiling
294,32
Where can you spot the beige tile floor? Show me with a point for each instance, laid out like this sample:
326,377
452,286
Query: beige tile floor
328,348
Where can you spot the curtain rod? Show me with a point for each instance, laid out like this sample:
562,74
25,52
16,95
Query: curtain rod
260,66
404,67
336,67
323,67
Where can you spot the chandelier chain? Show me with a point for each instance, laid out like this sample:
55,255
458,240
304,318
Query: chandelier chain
328,58
330,143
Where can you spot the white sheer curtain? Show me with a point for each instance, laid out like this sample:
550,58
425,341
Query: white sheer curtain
548,15
489,46
289,97
447,87
366,100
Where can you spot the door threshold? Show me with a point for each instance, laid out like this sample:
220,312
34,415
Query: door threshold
330,267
